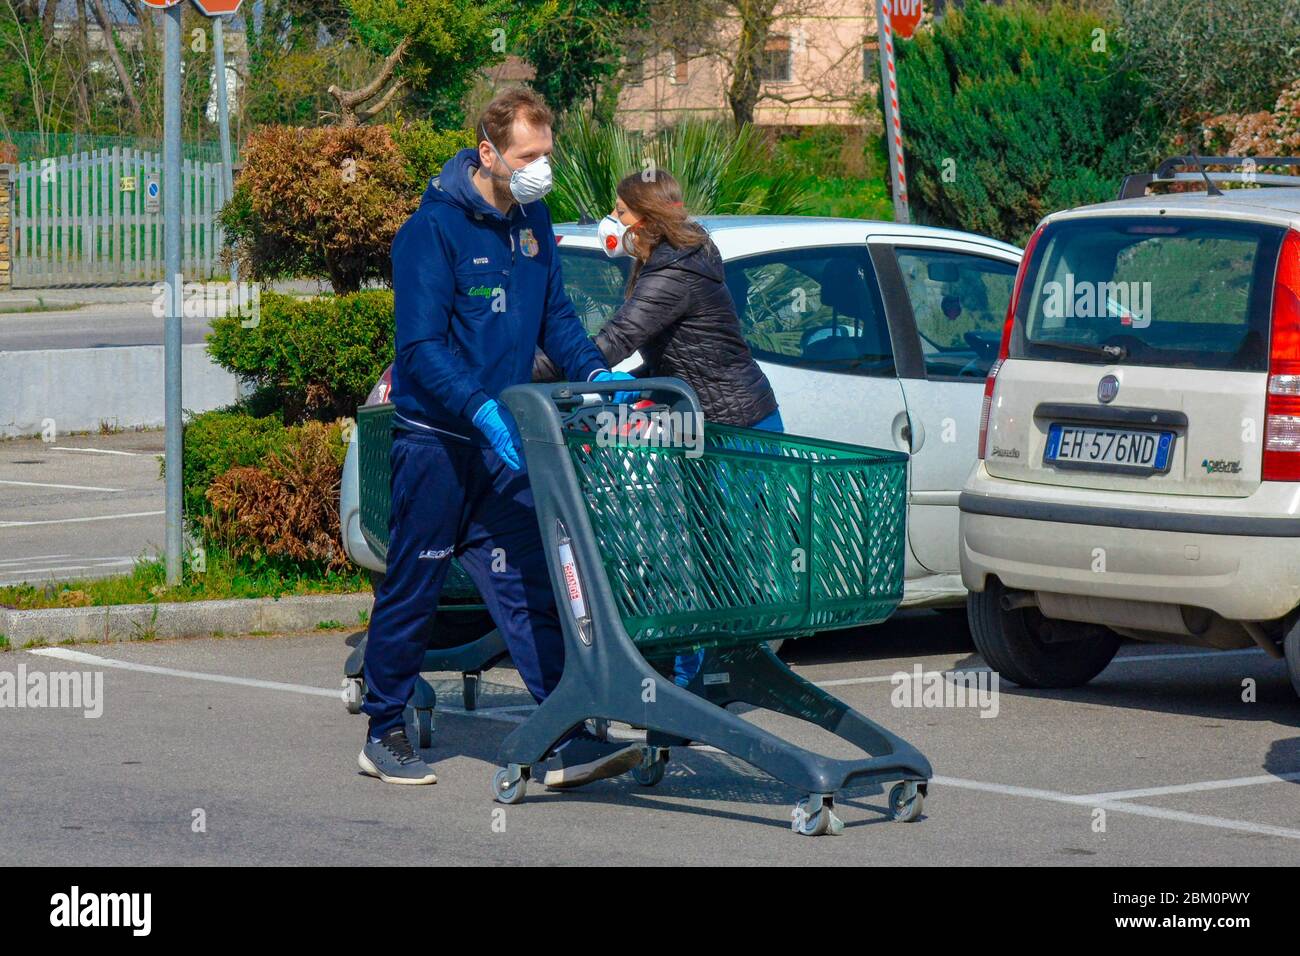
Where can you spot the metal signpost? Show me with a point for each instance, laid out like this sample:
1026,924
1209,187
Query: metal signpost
895,18
173,278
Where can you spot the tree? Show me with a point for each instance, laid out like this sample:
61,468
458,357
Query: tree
1011,113
1203,59
578,47
431,49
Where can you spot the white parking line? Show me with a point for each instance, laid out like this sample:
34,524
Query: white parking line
65,654
95,451
133,514
1109,802
34,557
1197,787
46,484
1137,809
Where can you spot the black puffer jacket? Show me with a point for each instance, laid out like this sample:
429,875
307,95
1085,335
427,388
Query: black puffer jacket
682,318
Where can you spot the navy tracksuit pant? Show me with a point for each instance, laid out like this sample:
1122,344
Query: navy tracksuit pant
450,498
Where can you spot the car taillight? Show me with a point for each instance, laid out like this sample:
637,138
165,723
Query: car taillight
990,384
1282,404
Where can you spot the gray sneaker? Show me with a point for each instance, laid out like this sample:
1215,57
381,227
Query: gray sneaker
585,758
392,760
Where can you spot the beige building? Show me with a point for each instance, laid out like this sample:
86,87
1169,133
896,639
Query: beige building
820,59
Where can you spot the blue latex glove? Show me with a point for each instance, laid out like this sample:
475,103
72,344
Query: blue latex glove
500,432
620,398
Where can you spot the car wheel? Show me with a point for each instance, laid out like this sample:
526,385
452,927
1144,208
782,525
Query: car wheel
1291,647
1015,643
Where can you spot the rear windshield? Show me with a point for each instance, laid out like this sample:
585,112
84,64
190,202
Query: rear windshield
1164,291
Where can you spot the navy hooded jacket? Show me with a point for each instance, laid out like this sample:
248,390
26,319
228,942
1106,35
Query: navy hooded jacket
476,293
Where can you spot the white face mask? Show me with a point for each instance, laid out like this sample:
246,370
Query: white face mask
529,183
613,237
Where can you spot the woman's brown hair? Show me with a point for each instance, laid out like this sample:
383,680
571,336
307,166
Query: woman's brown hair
655,197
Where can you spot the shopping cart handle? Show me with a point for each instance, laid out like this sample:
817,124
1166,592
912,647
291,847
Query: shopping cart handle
537,408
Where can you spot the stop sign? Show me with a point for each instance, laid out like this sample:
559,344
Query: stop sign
161,4
217,8
904,15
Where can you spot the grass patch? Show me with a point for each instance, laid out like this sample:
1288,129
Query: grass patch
223,577
4,643
328,625
40,306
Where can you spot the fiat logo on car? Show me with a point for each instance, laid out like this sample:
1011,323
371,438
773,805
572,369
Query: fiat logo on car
1107,389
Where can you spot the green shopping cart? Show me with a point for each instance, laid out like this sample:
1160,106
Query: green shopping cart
676,537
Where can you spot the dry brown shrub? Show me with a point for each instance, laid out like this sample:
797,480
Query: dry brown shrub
288,506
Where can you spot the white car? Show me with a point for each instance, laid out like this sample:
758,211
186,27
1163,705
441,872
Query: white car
872,333
1140,471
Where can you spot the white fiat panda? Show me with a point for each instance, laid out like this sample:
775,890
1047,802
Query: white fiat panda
1139,469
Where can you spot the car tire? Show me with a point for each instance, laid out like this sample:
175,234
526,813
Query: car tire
1011,642
1291,650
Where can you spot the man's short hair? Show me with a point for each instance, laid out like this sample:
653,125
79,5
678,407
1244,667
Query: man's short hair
497,121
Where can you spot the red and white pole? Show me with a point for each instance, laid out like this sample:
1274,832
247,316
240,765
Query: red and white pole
893,123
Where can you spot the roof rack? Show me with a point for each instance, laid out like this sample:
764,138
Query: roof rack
1135,185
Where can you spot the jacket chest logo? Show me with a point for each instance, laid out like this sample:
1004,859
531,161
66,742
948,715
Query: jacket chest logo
527,243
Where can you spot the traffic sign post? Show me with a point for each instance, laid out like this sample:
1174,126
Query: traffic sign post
174,280
895,18
173,535
223,111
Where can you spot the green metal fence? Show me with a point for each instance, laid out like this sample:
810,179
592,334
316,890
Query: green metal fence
35,146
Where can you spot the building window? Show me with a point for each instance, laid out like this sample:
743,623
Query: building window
679,72
871,60
774,65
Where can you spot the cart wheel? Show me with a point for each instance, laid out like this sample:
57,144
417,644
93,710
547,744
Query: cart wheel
472,687
508,791
354,691
423,728
905,801
650,770
820,822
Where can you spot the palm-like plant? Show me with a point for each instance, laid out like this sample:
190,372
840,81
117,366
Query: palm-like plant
721,170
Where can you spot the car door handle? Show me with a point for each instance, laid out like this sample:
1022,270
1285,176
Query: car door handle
908,433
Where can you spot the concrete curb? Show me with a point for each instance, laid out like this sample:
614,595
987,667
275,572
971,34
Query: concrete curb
132,622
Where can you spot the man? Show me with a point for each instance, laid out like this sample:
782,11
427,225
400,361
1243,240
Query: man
477,286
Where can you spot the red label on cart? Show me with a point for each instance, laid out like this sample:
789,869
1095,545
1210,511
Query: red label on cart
571,583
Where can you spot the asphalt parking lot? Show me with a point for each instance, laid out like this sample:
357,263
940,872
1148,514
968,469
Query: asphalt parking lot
80,506
1158,761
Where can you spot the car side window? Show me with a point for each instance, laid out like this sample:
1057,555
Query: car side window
959,301
813,308
595,284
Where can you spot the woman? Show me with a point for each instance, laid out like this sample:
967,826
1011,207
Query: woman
678,311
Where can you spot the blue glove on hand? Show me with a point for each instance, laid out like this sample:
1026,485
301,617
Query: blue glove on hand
620,398
500,432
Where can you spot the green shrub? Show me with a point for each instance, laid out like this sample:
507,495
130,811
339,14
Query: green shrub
720,170
1022,113
425,149
320,355
217,441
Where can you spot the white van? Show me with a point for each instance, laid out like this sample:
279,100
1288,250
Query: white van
1139,469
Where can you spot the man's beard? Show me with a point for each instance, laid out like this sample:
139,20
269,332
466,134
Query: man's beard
501,190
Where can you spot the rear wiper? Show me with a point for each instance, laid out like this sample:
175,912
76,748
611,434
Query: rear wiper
1114,352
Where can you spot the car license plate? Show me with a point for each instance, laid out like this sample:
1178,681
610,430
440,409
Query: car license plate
1108,449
